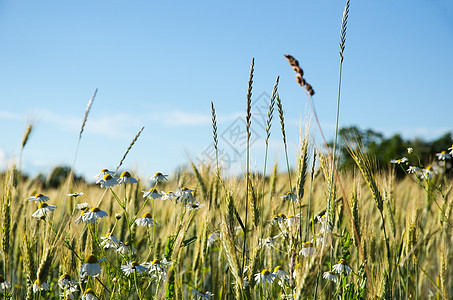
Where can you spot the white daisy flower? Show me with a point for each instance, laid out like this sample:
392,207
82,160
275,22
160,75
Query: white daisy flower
427,173
67,294
413,170
184,195
5,286
451,150
126,249
90,267
280,273
152,193
43,210
308,249
330,275
89,295
107,181
158,177
195,205
213,237
109,241
292,222
75,195
399,161
278,218
66,283
133,267
202,294
126,177
92,215
103,173
40,286
325,227
443,155
38,198
146,220
290,196
82,206
264,277
167,196
410,150
269,242
157,268
322,240
342,266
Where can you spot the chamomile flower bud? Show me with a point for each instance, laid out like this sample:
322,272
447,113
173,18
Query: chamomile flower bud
117,216
38,198
410,150
127,178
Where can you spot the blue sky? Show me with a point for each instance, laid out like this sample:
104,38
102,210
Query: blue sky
160,64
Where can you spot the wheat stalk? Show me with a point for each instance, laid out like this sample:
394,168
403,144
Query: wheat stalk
129,148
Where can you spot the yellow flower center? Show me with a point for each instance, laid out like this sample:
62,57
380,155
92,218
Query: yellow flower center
126,244
307,244
158,174
444,152
429,168
297,266
291,216
278,268
265,272
108,234
37,282
184,189
104,170
91,259
39,195
42,205
107,177
125,174
152,190
147,215
342,262
65,276
281,215
156,261
134,264
95,209
88,291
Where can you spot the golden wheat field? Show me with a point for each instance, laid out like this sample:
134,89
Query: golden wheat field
312,231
